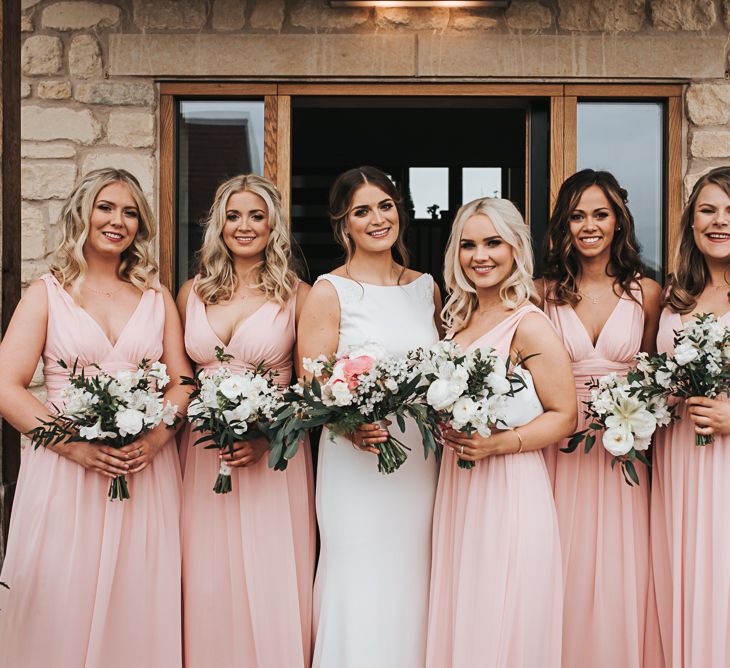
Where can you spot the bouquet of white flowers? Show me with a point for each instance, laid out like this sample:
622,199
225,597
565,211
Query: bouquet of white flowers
628,411
229,407
109,408
365,385
700,365
467,390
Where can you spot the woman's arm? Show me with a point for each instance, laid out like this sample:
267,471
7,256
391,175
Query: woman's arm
438,306
303,292
651,304
182,300
553,377
144,449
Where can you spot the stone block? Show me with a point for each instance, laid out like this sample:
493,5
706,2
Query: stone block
49,123
134,94
710,144
170,14
228,15
84,57
24,89
27,4
316,16
26,24
528,15
464,19
263,55
673,15
41,55
32,232
47,180
46,150
140,164
601,16
267,15
55,209
131,128
32,270
412,19
54,90
709,104
726,13
80,15
546,55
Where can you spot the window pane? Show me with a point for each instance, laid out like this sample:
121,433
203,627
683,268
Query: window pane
216,140
429,187
478,182
626,139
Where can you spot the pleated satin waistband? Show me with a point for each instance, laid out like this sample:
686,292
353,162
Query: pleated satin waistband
584,371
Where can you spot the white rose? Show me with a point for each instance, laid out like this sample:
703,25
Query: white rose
129,421
442,394
498,383
685,353
618,441
464,410
341,394
231,388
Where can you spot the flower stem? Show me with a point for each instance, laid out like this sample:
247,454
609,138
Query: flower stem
464,464
118,488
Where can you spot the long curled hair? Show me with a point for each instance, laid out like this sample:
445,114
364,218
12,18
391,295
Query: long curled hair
137,264
517,289
277,278
691,274
341,195
561,266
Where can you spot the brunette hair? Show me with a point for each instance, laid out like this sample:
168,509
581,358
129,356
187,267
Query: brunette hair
517,289
561,259
688,281
137,263
341,195
218,280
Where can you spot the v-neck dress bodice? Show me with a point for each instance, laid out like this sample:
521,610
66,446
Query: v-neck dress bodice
604,523
248,554
690,540
98,581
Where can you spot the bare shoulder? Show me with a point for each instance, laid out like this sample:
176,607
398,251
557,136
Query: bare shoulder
321,294
535,330
36,292
184,292
650,288
303,290
410,275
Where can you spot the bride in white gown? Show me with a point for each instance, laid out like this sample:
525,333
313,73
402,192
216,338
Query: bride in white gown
372,583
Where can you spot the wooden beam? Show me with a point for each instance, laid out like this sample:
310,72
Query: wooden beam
557,147
624,90
570,131
283,153
421,89
10,198
167,192
271,123
216,89
674,182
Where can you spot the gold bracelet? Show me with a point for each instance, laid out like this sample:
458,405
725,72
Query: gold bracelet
519,438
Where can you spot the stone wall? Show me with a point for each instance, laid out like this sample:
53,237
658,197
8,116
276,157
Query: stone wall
89,97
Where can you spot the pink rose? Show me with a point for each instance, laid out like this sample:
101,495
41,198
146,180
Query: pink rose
356,366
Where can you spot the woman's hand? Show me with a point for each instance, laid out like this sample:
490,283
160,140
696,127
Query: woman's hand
475,447
103,459
142,452
367,435
246,453
711,416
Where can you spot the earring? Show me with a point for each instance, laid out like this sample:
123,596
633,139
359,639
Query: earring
618,228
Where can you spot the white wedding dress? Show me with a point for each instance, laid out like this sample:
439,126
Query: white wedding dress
372,585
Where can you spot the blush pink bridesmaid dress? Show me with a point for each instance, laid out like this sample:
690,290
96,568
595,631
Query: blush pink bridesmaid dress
496,582
93,582
248,556
609,615
690,535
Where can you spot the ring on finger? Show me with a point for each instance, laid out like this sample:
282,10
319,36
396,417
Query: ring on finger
461,452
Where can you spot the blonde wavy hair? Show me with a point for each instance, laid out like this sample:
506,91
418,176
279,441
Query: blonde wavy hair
515,290
138,264
277,277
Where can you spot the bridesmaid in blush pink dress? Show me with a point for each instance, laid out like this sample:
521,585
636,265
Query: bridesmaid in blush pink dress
248,555
94,582
690,502
496,583
605,312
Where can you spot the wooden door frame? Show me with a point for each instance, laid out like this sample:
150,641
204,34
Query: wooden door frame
277,99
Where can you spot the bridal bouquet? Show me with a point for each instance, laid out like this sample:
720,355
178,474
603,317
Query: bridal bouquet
365,385
467,390
229,407
109,408
628,410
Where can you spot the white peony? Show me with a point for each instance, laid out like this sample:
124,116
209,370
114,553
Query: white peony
232,387
618,441
341,394
464,410
498,383
442,394
129,421
684,353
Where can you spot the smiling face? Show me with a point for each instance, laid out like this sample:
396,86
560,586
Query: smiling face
592,224
485,257
372,220
114,221
246,230
711,223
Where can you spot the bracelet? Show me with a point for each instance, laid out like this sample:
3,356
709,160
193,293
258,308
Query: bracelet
519,438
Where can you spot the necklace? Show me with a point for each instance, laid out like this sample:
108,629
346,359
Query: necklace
103,293
593,299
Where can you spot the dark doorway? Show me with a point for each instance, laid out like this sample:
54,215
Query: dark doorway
440,152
